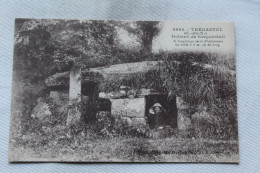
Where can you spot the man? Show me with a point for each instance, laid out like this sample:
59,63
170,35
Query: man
158,117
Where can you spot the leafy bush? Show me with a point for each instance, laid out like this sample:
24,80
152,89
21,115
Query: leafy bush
108,125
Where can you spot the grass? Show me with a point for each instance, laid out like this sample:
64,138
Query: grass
131,149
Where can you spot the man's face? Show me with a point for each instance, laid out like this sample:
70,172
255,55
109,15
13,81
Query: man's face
157,109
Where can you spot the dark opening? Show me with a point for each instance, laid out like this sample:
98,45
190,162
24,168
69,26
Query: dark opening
103,105
89,89
169,105
89,107
91,104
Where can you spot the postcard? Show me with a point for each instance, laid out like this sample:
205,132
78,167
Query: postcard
123,91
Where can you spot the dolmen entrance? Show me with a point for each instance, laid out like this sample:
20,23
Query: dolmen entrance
134,105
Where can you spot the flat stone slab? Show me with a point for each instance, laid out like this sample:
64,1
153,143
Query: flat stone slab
128,107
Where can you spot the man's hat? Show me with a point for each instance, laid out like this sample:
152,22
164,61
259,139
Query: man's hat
157,105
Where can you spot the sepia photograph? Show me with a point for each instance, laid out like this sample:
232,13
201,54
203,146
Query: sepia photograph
123,91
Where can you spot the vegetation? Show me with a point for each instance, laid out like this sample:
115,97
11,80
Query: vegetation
127,149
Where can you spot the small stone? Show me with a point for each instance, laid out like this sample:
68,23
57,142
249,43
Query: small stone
184,122
127,121
41,110
138,121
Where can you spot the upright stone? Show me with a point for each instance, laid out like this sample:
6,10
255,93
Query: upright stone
128,107
74,112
